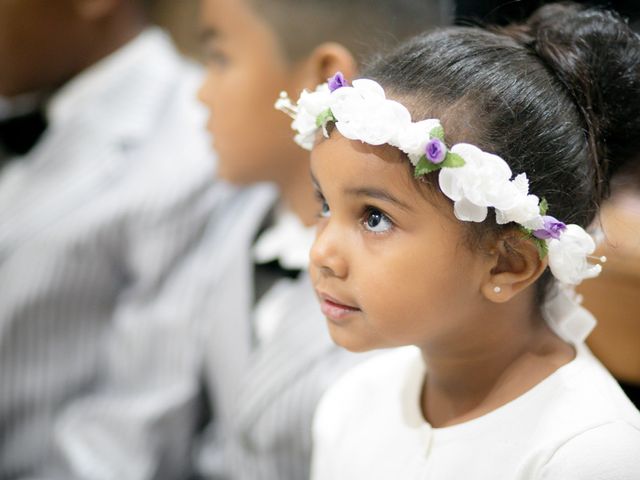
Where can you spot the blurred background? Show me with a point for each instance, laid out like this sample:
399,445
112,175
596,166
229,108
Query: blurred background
503,11
180,16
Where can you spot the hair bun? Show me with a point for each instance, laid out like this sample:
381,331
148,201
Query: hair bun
596,55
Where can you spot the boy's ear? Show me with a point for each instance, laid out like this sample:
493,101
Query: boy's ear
94,9
515,265
325,60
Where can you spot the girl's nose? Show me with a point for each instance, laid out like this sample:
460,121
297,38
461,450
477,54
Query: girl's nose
327,252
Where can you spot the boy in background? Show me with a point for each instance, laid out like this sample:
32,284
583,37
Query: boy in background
266,357
271,330
105,187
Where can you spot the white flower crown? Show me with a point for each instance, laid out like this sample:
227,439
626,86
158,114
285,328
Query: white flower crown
473,179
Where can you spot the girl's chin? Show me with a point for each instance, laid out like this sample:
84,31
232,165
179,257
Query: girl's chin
349,341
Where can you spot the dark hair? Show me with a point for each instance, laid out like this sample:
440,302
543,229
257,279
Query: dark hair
363,26
557,97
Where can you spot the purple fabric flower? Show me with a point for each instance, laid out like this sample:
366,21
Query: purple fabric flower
337,81
436,151
551,228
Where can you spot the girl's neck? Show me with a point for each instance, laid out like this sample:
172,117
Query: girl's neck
505,363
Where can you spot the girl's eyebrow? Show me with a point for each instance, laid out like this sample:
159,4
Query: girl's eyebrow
314,180
378,194
373,192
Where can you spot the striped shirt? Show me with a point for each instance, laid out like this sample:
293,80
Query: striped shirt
94,222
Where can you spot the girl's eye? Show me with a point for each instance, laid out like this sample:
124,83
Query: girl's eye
324,209
376,221
324,206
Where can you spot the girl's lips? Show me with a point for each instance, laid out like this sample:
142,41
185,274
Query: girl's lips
334,310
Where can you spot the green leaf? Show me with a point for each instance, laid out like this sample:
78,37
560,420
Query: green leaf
424,167
543,248
541,244
544,206
324,117
452,160
437,132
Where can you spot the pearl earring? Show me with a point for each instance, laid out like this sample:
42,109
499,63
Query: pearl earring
497,289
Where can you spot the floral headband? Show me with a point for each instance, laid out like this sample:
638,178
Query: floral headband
473,179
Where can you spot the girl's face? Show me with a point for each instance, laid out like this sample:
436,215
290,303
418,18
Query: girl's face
389,263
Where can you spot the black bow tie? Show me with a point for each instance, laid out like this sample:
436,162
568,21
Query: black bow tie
266,274
18,135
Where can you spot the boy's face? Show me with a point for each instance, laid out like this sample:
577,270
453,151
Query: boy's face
246,71
34,44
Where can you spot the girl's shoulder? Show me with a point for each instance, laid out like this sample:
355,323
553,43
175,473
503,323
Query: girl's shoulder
610,450
371,385
579,424
588,393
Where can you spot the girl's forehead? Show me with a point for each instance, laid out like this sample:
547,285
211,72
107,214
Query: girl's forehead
346,165
352,159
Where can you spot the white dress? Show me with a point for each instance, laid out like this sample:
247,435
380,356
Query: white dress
575,424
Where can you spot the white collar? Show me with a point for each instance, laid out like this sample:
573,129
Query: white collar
287,241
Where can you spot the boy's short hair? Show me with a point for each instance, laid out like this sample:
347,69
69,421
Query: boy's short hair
362,26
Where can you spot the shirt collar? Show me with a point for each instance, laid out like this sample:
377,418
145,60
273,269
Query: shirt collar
288,241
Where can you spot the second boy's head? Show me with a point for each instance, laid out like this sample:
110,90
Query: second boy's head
43,44
257,48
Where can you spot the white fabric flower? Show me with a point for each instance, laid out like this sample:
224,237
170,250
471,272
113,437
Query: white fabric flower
525,212
568,256
306,140
412,138
524,208
310,105
484,181
363,113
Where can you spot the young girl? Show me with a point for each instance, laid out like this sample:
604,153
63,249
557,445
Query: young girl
455,183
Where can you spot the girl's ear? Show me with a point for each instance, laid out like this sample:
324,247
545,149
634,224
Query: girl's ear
323,62
516,264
